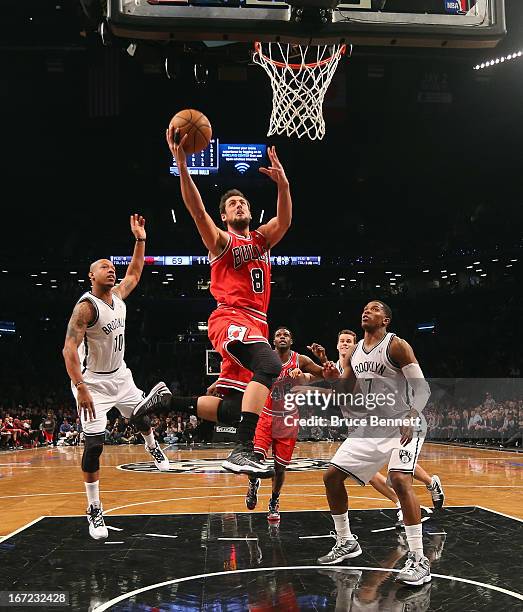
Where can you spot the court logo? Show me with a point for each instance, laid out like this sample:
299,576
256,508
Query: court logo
405,456
214,466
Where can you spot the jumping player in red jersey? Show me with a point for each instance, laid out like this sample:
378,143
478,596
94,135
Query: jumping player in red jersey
240,283
278,426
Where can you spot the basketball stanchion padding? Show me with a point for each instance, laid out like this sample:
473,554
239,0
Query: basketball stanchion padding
300,76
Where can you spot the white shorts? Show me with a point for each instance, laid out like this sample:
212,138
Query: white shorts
108,390
361,457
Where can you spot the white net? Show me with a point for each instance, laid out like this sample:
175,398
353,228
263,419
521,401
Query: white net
300,76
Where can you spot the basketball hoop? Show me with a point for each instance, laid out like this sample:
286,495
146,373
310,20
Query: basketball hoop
298,87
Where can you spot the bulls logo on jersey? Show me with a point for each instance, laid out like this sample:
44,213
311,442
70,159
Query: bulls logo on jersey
241,274
236,332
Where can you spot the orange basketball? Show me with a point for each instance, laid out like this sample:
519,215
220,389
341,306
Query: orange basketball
196,125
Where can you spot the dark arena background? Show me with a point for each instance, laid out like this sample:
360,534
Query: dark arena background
414,197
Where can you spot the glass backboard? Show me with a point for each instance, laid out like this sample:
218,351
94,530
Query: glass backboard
414,23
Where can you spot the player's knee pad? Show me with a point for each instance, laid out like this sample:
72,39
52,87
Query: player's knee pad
230,408
142,422
266,365
93,448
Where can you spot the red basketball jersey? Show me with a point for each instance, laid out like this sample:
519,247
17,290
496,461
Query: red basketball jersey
275,404
241,274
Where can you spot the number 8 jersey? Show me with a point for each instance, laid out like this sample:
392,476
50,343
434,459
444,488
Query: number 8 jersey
241,274
102,349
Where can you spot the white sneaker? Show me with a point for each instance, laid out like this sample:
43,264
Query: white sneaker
416,571
95,518
160,460
435,489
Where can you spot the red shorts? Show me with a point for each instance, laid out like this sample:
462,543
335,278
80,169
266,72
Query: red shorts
273,431
228,325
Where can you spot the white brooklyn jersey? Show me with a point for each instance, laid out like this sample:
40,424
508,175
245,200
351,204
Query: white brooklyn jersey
103,347
376,373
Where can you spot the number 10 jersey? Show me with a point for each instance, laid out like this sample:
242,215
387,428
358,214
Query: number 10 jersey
103,346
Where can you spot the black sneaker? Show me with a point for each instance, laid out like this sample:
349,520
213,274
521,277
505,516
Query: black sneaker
158,395
251,499
243,460
273,516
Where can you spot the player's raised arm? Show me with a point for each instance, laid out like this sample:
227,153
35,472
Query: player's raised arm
134,270
308,366
276,228
83,315
318,351
213,237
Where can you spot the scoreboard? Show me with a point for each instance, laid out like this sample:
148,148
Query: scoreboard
203,260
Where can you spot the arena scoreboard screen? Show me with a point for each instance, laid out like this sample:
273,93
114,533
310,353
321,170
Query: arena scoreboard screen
203,260
231,159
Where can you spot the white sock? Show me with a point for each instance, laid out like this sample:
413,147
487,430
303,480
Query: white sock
149,439
415,539
430,486
342,526
93,493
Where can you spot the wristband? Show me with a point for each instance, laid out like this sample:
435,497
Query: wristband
140,240
80,382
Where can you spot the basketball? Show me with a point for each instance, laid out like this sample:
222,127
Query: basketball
196,125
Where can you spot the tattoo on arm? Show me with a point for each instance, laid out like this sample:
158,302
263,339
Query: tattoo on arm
125,287
83,314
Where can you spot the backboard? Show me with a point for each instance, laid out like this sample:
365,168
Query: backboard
412,23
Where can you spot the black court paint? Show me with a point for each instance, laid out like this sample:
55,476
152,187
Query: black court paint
470,543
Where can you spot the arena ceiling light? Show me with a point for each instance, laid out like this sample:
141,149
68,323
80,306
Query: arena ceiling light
498,60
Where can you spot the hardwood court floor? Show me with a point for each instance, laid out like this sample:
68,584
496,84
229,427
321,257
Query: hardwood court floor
47,482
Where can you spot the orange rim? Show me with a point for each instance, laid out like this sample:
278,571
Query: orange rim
258,49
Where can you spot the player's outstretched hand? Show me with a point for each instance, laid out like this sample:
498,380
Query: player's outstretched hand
330,371
318,351
176,144
296,373
85,403
275,171
138,226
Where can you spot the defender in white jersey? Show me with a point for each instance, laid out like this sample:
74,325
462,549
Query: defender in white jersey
347,340
381,363
94,358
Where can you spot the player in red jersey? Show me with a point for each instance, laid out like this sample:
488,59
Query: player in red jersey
241,284
278,425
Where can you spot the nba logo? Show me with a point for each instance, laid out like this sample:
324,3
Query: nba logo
453,6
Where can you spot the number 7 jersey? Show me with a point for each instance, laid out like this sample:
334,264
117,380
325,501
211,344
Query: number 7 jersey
241,274
103,346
